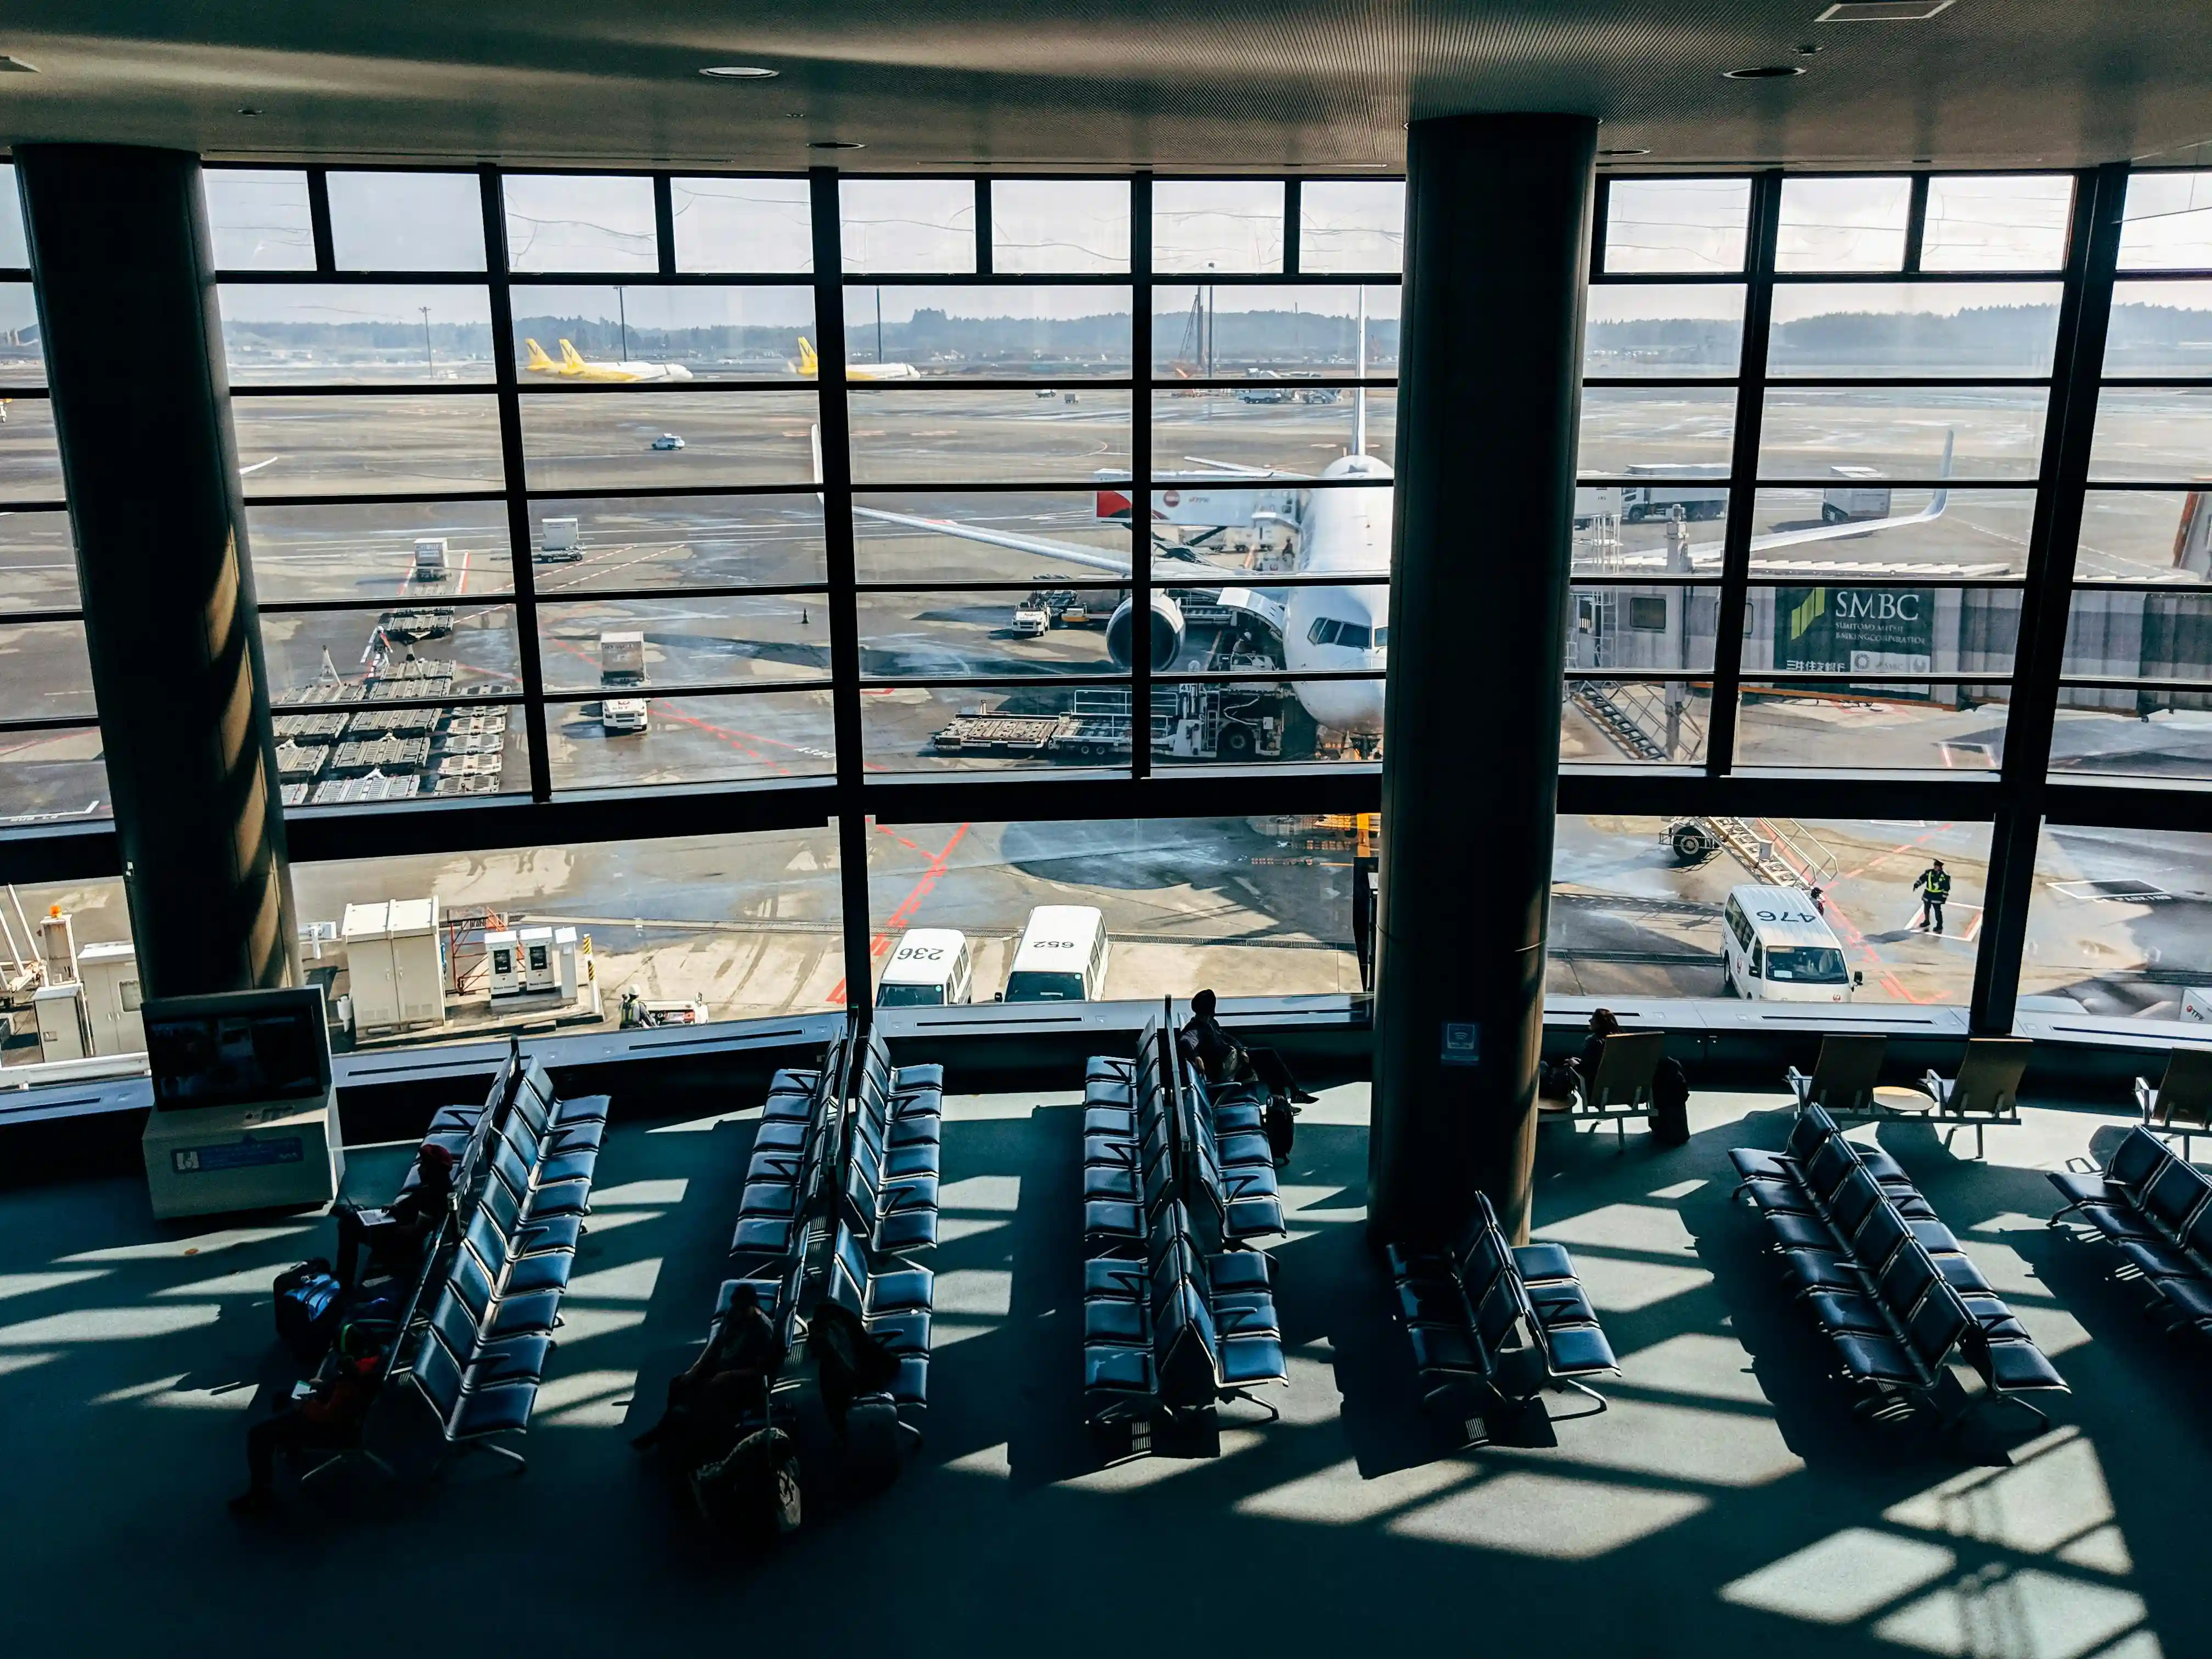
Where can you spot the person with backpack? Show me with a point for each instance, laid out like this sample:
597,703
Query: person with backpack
395,1234
1934,887
331,1415
848,1363
1219,1058
725,1386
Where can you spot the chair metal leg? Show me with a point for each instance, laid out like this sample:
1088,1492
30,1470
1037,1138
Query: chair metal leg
1603,1404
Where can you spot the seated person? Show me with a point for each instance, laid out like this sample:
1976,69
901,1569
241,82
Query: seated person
1559,1081
1221,1058
847,1361
396,1234
331,1415
727,1385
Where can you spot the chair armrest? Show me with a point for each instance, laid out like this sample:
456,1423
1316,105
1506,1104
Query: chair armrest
1801,1085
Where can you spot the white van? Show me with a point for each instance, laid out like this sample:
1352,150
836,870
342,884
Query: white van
1061,957
1779,948
931,968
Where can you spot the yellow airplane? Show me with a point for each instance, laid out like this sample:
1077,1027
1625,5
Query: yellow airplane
572,367
809,367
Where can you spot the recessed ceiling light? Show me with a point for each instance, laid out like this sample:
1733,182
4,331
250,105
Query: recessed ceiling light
834,143
1883,11
16,66
1764,72
1624,152
740,72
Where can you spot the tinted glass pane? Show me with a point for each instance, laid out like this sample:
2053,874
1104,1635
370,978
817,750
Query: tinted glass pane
360,753
2159,328
624,439
1842,224
38,562
1828,623
2169,222
23,354
641,334
1632,529
953,635
50,777
1058,224
1031,728
2145,634
44,672
1914,328
1266,724
260,218
1677,224
1616,722
2145,535
1218,225
2154,435
1641,329
354,334
1611,630
908,224
1876,728
402,652
1976,532
561,222
15,251
360,446
743,224
1351,225
407,220
2107,732
1674,432
1199,437
30,462
2113,913
927,434
667,644
727,541
1057,333
1223,331
942,537
1996,222
1993,432
760,737
419,553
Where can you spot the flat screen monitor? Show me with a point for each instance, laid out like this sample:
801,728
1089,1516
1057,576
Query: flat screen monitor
245,1049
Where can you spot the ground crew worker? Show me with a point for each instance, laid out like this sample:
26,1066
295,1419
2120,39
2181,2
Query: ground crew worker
1934,886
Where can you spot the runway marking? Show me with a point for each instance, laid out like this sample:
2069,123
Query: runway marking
899,918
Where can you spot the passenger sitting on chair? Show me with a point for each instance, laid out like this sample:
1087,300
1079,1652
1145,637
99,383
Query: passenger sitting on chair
394,1236
331,1415
726,1385
847,1361
1603,1023
1221,1058
1559,1081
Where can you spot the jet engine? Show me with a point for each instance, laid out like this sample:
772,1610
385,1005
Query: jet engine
1167,632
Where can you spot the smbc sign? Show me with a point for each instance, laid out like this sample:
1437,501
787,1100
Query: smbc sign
1855,630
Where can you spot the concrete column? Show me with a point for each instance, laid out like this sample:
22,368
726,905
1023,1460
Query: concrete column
1497,247
124,264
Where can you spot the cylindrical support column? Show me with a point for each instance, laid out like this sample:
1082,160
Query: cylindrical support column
1497,247
133,339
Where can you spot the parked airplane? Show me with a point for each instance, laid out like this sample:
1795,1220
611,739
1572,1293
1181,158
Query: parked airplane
574,366
809,365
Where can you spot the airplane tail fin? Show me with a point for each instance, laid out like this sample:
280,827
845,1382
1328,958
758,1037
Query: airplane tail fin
809,364
571,361
1942,498
816,432
537,361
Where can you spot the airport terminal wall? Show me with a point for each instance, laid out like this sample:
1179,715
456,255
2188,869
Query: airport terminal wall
553,567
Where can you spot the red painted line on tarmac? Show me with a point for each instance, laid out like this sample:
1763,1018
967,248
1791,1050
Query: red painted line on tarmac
899,918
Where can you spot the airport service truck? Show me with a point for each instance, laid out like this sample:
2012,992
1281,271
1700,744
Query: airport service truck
560,543
622,665
1640,501
430,558
1203,722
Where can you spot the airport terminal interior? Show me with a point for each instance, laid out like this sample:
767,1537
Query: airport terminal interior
860,826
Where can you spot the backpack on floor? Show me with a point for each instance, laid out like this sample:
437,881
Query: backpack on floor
307,1298
1670,1103
1282,1127
752,1494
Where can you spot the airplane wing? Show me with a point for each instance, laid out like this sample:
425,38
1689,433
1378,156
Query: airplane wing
1828,532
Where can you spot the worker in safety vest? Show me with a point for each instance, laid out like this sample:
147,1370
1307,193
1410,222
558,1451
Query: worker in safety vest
1934,886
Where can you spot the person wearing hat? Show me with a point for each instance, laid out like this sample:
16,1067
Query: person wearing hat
331,1415
395,1234
1934,886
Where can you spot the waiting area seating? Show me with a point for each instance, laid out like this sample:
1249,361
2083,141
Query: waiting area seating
2182,1103
2155,1209
1899,1301
1493,1326
1178,1309
1845,1081
478,1327
1621,1089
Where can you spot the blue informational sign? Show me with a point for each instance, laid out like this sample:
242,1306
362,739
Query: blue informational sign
1463,1043
246,1154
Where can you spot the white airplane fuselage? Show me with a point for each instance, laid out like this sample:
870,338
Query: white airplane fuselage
1346,533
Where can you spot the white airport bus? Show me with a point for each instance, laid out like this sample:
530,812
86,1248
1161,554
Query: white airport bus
1061,957
932,968
1779,948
